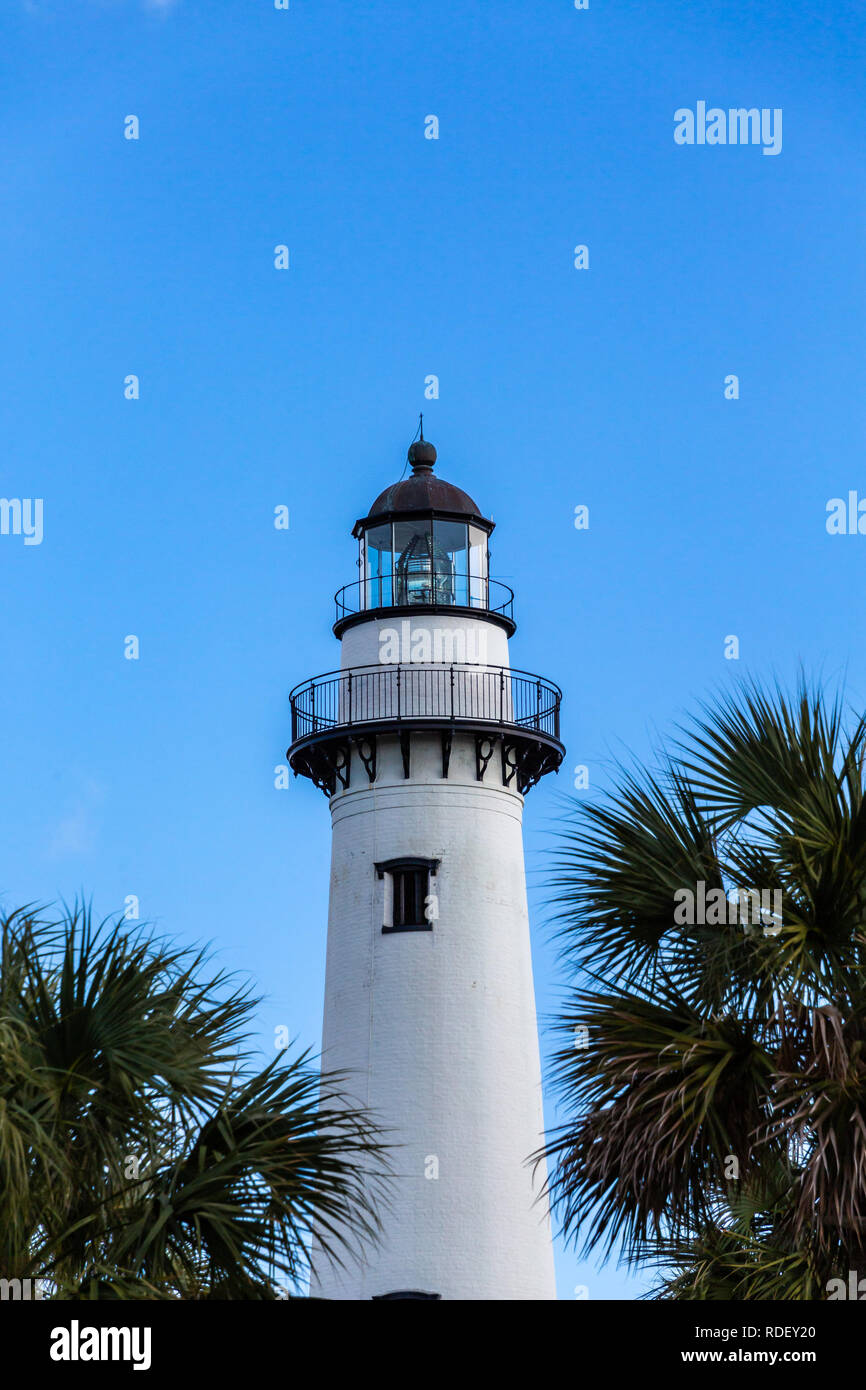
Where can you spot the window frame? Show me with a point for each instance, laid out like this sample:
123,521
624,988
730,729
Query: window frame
403,1293
407,864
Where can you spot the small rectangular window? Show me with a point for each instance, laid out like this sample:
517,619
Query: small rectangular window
410,893
404,1293
410,896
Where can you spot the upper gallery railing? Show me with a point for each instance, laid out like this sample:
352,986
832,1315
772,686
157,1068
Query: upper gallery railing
425,589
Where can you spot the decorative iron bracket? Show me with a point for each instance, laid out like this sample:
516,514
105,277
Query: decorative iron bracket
326,765
447,735
340,761
367,753
527,762
510,762
484,750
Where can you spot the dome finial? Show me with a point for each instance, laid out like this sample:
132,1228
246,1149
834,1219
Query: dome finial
422,454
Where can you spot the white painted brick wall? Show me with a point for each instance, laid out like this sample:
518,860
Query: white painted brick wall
438,1029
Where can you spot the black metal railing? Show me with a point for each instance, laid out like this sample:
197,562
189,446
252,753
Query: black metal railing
365,695
425,589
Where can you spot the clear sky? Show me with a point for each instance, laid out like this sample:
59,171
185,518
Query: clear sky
408,257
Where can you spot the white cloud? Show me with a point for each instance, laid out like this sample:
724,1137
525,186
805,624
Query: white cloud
76,832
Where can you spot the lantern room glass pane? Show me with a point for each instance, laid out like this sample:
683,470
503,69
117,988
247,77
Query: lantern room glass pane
362,571
414,570
378,567
451,558
477,567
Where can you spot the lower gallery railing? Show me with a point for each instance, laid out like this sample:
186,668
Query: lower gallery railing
461,694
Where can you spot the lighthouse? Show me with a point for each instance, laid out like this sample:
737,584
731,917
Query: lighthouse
426,741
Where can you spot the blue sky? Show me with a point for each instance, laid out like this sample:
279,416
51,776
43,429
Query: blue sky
258,387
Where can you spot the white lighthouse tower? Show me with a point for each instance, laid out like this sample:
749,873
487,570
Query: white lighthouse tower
426,742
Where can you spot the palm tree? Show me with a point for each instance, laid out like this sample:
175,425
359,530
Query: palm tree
144,1153
712,1061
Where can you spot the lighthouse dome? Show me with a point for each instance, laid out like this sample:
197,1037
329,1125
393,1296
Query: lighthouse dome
423,491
